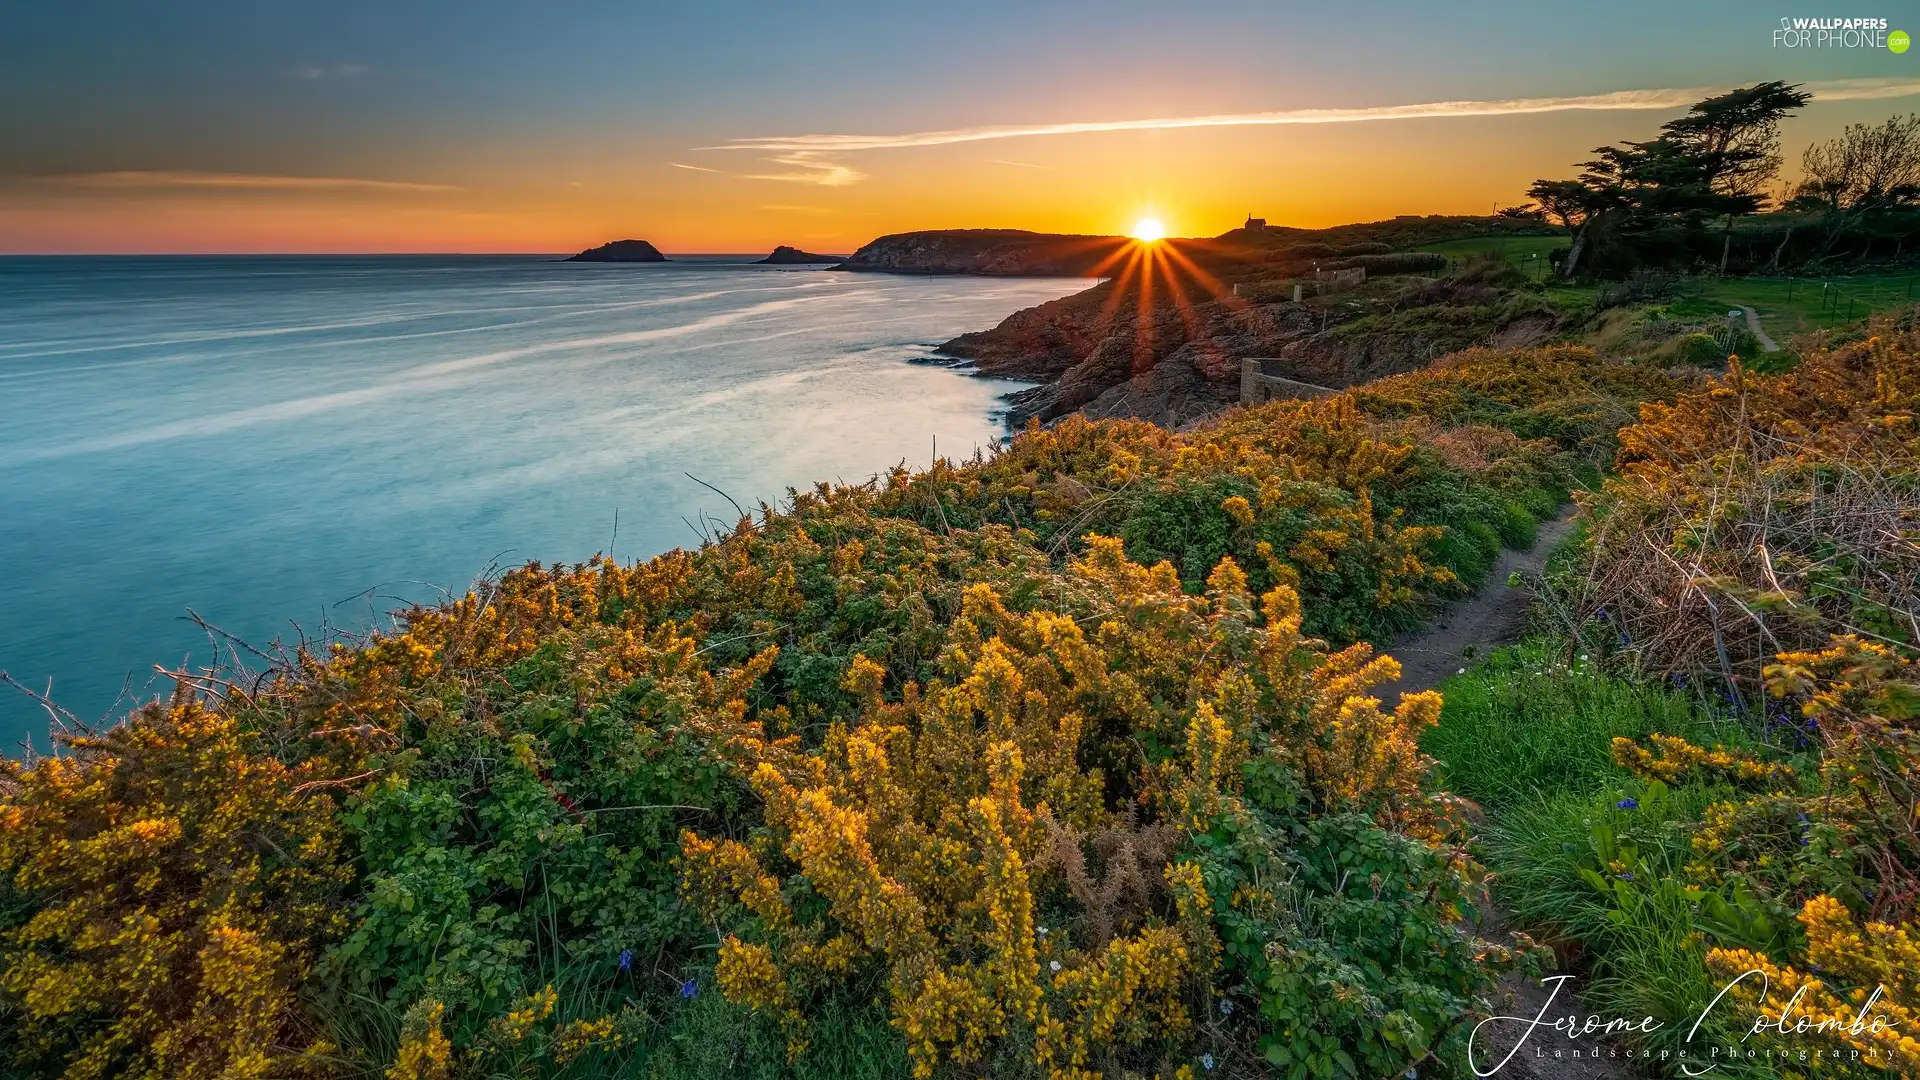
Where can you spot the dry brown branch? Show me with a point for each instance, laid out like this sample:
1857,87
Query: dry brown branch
315,785
1763,515
63,719
1124,879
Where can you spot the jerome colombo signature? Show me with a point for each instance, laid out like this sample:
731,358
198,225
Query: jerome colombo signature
1593,1028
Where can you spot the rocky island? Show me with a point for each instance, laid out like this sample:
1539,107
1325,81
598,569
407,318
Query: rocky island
621,251
793,256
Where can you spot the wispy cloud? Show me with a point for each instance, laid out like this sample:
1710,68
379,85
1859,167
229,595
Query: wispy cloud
1670,98
1864,89
1022,164
809,169
172,178
793,208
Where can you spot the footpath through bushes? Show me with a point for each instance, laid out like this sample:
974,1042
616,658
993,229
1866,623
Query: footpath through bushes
1061,762
1705,773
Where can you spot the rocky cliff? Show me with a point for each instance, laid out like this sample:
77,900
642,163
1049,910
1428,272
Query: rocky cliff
1208,303
622,251
999,252
793,256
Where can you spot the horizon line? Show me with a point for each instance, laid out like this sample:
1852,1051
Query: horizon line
558,256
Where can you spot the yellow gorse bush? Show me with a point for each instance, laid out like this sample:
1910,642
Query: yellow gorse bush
1867,1002
1673,759
184,882
891,729
425,1053
922,821
1855,985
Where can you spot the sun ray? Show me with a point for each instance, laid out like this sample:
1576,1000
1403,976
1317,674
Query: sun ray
1154,275
1205,280
1143,324
1103,322
1189,316
1123,251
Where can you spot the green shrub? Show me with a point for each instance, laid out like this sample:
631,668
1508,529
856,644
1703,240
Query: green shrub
1698,350
456,848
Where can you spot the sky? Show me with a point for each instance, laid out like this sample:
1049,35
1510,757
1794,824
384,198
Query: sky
723,126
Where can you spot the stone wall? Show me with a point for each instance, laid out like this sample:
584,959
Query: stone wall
1256,386
1335,280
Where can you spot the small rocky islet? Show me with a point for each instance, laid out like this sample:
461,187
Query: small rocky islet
621,251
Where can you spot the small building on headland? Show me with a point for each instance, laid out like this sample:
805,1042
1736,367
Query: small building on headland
1258,387
1254,223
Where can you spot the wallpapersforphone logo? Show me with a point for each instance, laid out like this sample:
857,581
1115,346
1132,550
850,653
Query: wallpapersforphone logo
1839,34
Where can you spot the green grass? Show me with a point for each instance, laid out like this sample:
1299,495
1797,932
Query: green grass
1525,723
1516,248
703,1037
1786,307
709,1039
1783,316
1639,958
1528,733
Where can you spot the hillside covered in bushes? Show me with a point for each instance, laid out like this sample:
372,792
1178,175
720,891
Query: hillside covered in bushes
1700,774
1060,762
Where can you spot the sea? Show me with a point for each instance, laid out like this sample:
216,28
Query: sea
206,450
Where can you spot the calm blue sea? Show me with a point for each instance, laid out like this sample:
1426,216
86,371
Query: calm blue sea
272,441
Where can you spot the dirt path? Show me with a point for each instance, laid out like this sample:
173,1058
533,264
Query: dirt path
1767,344
1495,615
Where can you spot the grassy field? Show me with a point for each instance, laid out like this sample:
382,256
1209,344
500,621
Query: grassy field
1786,306
1516,248
1789,306
1529,253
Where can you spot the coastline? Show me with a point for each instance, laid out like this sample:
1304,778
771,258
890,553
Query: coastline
555,417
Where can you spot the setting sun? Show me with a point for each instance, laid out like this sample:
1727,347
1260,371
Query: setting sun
1148,229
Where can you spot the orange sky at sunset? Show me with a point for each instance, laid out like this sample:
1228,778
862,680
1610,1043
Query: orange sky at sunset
262,133
1199,182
